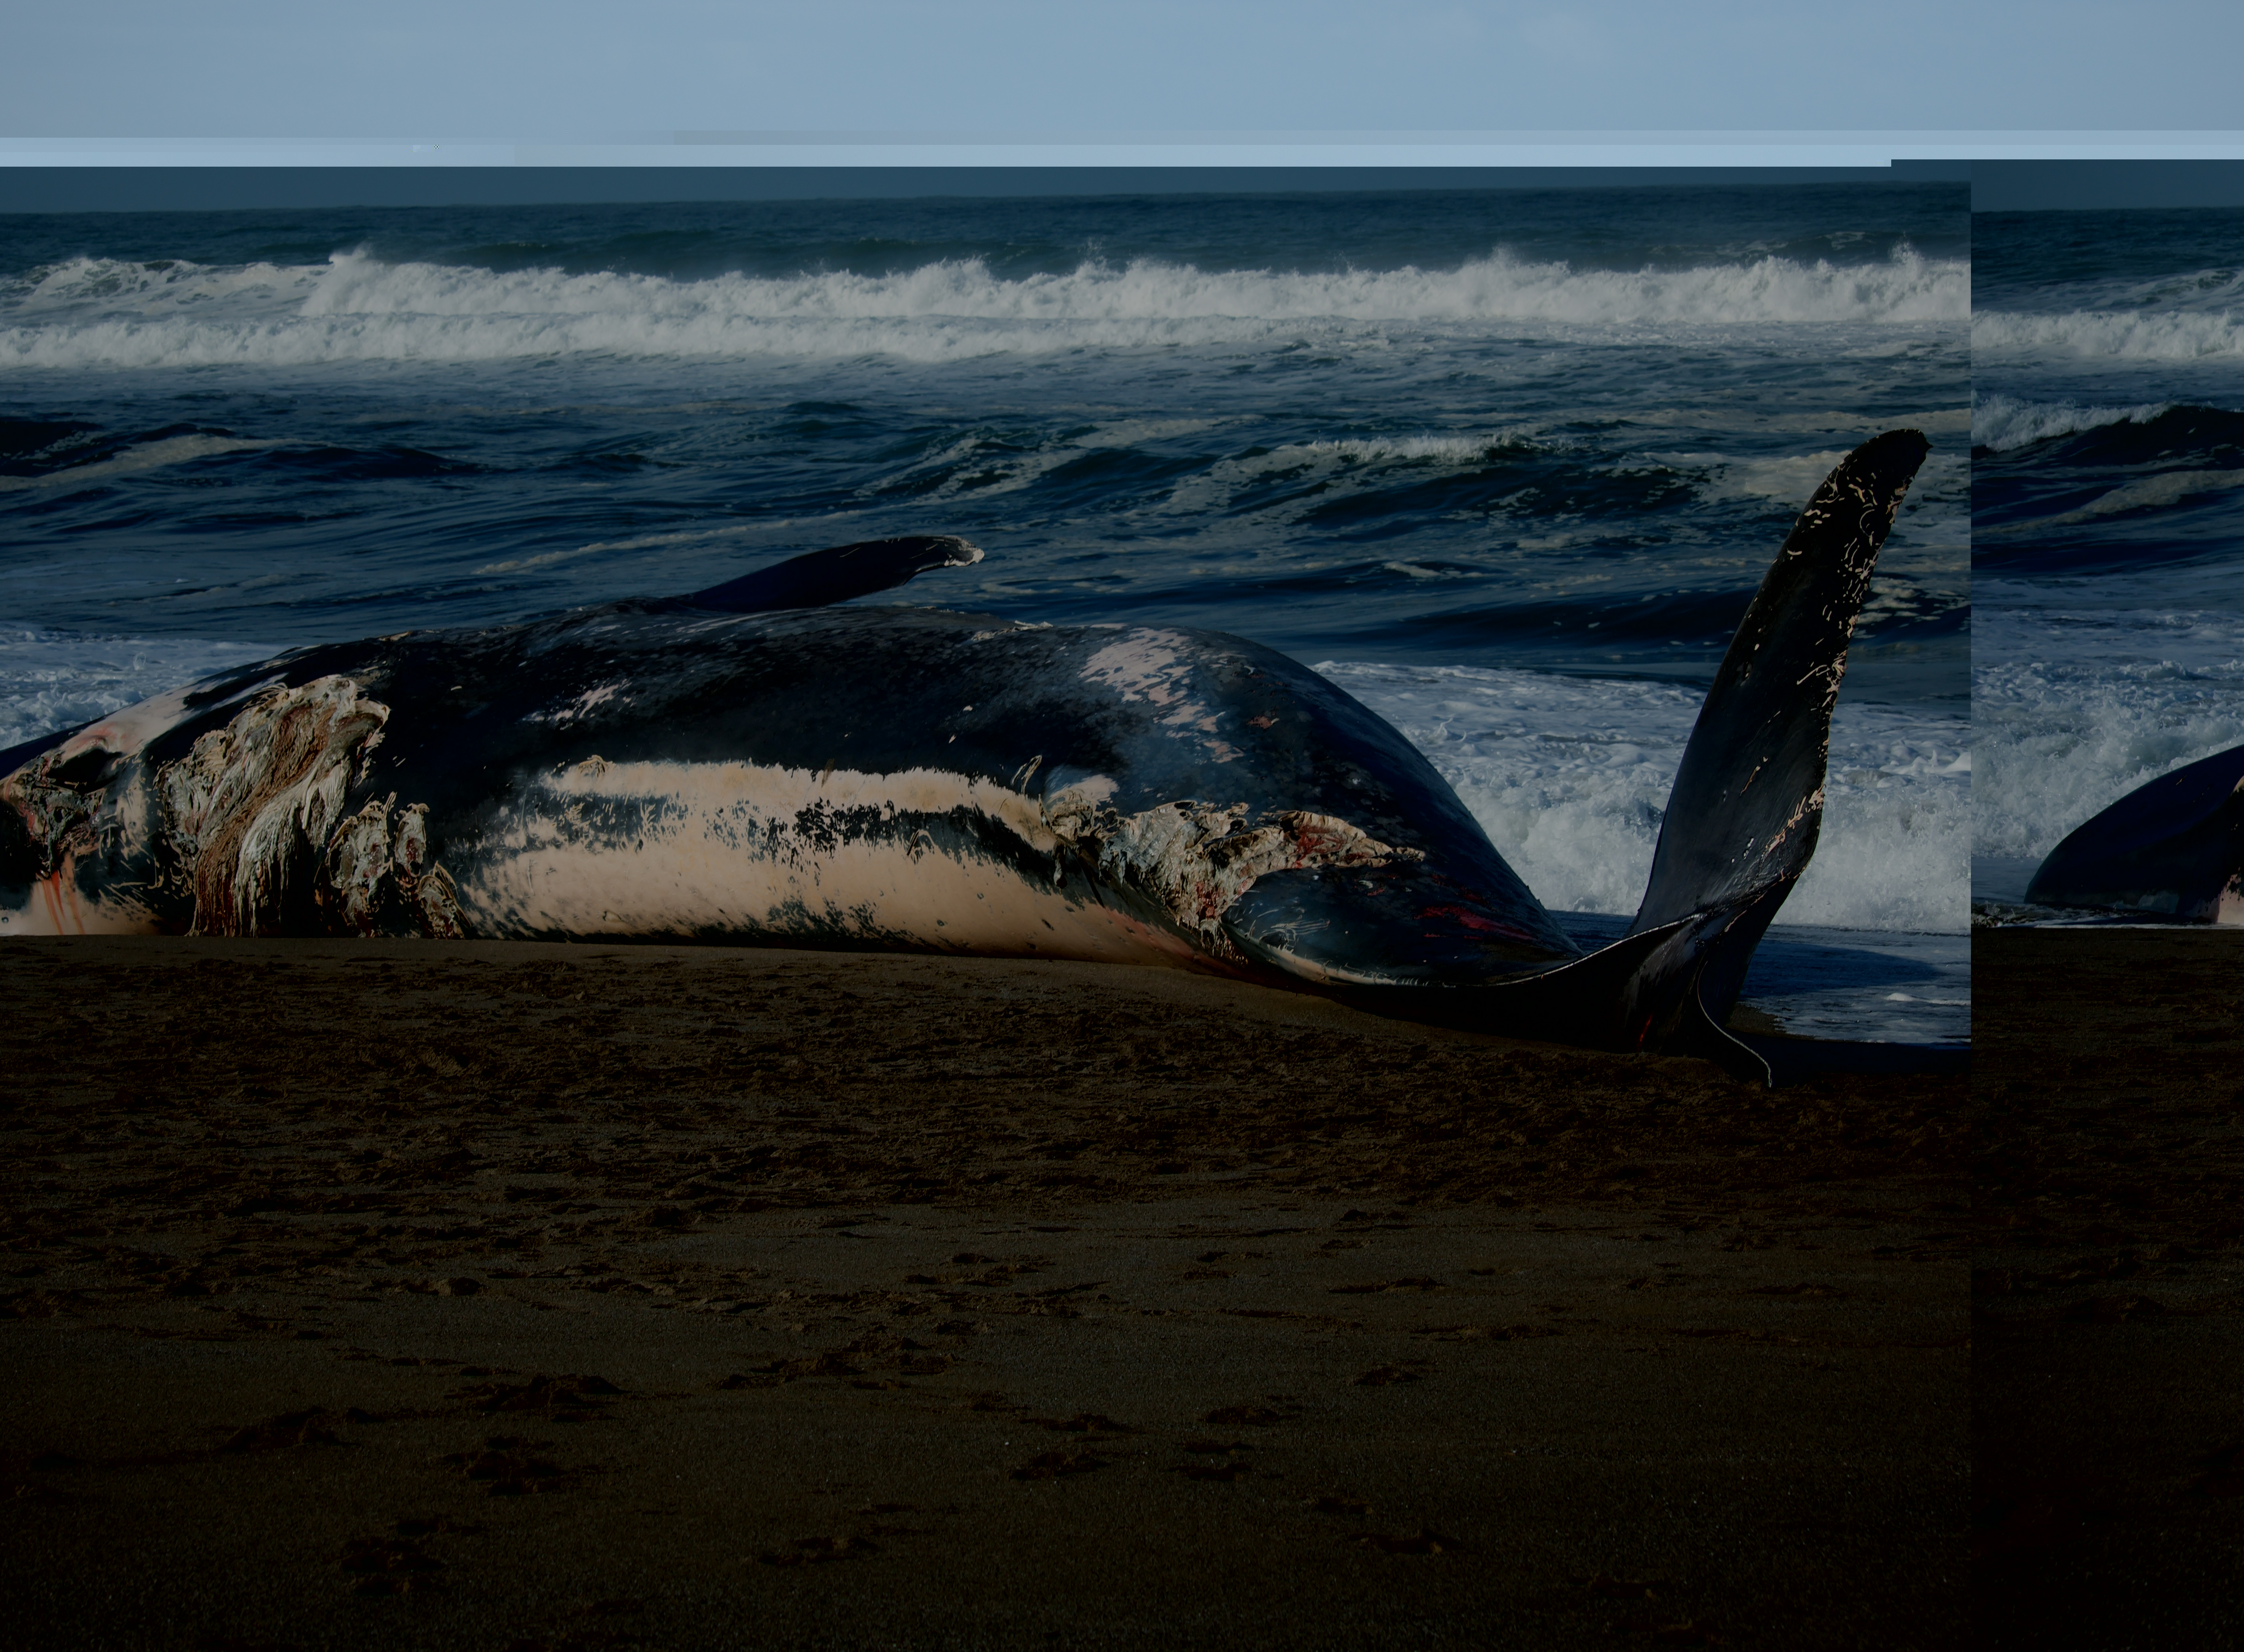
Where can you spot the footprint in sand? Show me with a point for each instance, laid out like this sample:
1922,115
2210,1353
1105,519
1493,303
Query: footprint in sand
1379,1286
291,1428
817,1551
396,1564
505,1467
1054,1465
1083,1422
1424,1540
1225,1472
1265,1416
1381,1376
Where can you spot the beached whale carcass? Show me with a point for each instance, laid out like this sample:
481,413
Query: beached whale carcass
751,763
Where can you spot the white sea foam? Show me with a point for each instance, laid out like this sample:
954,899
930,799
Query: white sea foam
1792,477
147,456
1210,491
1568,777
1730,419
2112,335
1009,470
970,466
52,680
95,311
2073,711
2002,422
2147,492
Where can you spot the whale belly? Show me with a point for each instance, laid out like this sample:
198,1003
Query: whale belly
925,859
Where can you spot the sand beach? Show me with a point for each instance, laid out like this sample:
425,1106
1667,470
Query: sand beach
523,1295
2108,1439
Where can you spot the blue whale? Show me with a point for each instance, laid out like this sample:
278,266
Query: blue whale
753,764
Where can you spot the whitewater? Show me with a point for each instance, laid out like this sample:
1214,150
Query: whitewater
354,308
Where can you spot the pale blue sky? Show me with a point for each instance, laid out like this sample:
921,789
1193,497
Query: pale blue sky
545,70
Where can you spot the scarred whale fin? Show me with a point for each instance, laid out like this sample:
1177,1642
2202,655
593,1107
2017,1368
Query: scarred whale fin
2173,848
1740,825
1743,815
835,576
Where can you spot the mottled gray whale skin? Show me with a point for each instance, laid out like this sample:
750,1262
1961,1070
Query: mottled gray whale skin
2172,849
751,766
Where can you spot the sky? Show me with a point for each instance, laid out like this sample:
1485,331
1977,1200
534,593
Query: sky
133,105
519,71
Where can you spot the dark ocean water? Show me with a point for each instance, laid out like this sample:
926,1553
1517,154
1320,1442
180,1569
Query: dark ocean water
2108,514
1507,465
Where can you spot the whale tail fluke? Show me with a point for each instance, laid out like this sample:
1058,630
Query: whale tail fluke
1742,816
1743,813
823,577
1747,801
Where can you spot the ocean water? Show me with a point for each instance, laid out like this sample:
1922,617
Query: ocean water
1507,465
2107,515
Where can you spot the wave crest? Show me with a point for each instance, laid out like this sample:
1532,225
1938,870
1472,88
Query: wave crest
2073,711
2000,424
2118,335
96,312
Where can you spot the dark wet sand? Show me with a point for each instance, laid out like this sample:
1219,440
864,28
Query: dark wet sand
2108,1375
541,1297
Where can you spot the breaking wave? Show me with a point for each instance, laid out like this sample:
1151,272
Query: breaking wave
2120,335
2001,423
354,308
147,456
2147,492
2073,711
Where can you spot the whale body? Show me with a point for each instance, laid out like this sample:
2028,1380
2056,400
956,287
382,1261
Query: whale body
752,765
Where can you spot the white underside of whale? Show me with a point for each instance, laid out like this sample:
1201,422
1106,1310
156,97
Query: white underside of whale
713,850
724,847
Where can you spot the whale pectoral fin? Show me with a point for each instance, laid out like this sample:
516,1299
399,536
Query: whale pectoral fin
835,576
1748,798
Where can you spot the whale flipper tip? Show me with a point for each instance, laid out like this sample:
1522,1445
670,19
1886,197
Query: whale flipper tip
821,577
